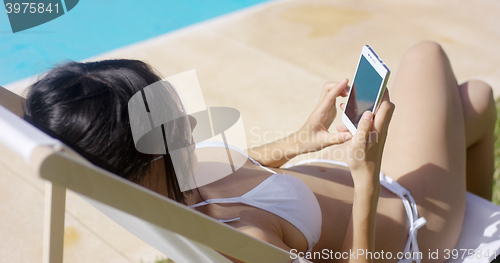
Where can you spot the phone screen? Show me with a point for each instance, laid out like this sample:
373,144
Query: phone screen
364,91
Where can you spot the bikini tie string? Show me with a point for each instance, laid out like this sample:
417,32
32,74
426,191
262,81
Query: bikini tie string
414,221
413,238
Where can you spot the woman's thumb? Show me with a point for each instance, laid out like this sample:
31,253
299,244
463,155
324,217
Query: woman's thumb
364,127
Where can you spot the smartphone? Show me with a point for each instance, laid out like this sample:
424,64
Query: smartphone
367,89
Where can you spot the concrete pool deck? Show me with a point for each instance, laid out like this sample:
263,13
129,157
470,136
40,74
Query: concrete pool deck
270,62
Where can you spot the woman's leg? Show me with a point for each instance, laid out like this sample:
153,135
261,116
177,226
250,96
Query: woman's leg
425,149
480,117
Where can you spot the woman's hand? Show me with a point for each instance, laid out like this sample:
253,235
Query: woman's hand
314,135
365,153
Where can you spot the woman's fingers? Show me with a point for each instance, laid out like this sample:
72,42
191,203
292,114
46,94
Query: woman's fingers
359,143
330,93
342,128
383,116
345,92
363,131
386,95
326,88
331,85
384,113
342,106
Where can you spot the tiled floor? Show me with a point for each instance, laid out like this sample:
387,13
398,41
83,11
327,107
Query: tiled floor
270,62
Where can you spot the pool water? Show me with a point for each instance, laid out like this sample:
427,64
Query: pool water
93,27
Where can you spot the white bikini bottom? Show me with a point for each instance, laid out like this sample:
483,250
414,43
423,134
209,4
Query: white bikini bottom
411,252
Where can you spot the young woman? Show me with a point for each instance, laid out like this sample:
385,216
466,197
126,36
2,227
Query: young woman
439,144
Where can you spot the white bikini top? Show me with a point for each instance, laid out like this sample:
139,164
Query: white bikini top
283,195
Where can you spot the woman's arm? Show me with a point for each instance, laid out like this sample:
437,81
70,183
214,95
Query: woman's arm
360,235
277,153
364,162
312,136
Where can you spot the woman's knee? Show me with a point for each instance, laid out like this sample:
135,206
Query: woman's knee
479,111
426,50
479,97
426,63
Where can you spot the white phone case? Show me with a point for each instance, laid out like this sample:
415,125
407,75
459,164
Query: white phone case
384,72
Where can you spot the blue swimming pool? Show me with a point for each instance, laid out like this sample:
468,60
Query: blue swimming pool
96,26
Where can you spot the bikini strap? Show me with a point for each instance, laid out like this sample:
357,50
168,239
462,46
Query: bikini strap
411,210
218,201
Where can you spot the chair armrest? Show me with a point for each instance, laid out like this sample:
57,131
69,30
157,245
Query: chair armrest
12,101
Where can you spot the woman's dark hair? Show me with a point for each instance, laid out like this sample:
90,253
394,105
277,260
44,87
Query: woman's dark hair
85,106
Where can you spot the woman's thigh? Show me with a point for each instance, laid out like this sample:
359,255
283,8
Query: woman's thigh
425,148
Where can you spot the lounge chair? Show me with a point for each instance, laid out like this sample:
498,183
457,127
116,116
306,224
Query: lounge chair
179,232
